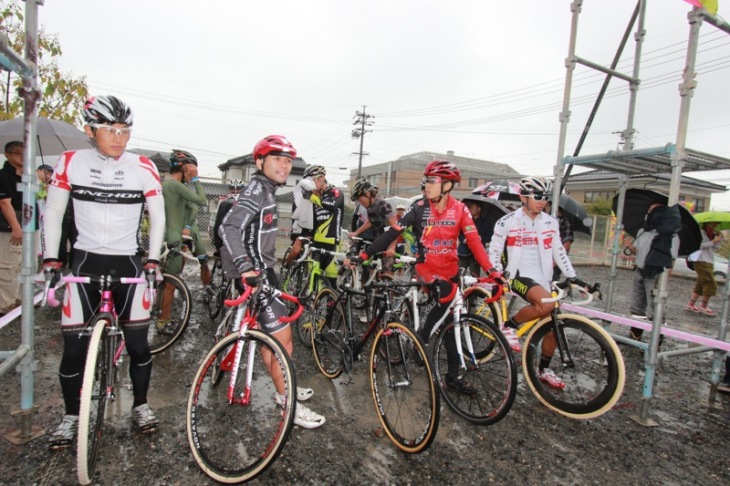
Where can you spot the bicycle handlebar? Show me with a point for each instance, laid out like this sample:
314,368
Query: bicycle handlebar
248,290
49,294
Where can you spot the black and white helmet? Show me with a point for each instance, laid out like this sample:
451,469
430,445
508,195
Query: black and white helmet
315,171
107,110
236,185
531,184
361,187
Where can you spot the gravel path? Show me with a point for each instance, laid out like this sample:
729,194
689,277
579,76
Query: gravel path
531,445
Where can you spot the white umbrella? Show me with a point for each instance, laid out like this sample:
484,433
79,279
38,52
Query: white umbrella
53,136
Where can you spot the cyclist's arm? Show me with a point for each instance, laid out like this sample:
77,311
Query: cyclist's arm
152,189
391,234
234,225
56,203
156,210
362,229
197,197
496,246
473,241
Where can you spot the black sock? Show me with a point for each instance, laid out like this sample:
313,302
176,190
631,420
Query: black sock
544,363
511,323
138,401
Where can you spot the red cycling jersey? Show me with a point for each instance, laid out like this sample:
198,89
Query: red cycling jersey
437,234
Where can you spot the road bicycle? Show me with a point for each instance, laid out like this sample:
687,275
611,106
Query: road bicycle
485,360
305,279
587,358
106,343
403,391
164,331
235,427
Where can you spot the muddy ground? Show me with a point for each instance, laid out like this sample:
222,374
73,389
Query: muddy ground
532,445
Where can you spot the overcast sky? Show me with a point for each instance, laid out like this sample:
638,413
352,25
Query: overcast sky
482,78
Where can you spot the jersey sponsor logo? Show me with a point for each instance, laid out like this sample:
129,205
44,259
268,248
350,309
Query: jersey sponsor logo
469,228
547,243
92,194
268,218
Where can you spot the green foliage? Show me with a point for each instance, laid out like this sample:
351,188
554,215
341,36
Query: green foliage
61,93
602,207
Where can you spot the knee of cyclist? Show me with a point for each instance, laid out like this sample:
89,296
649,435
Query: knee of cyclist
545,309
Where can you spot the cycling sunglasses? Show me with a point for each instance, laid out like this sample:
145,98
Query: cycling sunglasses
539,196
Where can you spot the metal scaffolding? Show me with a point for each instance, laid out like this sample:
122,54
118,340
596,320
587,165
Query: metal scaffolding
24,355
674,158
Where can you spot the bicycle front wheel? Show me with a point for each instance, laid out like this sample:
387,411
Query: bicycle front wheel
234,441
484,392
329,332
170,313
93,401
594,378
406,400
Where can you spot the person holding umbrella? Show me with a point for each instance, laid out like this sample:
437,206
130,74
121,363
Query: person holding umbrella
705,285
650,247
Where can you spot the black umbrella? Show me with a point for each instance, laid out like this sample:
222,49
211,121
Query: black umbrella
500,189
491,209
636,206
576,213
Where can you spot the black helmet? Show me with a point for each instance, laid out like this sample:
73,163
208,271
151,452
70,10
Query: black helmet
182,157
107,110
361,187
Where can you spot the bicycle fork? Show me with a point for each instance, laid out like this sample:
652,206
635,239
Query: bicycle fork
566,358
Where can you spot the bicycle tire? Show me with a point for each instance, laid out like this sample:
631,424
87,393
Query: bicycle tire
93,402
217,373
476,303
236,442
596,382
329,333
493,376
404,394
216,290
163,335
346,279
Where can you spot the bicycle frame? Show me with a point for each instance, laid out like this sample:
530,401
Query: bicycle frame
106,304
246,319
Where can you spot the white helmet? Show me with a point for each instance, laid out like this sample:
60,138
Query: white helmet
532,184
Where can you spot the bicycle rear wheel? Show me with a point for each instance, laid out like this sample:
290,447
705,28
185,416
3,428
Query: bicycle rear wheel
406,400
216,290
93,401
329,333
492,374
163,333
595,379
235,442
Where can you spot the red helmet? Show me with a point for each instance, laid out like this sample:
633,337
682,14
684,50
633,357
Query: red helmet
274,145
444,169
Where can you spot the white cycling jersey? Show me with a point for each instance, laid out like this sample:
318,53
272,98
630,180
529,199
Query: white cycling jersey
516,230
108,197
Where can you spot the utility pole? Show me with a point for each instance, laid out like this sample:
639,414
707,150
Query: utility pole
362,119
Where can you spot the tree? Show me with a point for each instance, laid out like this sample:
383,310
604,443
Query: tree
601,207
60,92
